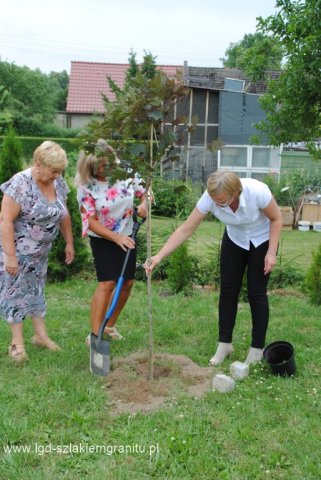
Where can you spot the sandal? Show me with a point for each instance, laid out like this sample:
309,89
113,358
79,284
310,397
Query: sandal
46,343
113,333
18,353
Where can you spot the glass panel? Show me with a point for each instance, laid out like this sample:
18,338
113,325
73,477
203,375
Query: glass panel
183,107
199,105
265,157
181,134
197,137
210,163
213,108
212,134
234,157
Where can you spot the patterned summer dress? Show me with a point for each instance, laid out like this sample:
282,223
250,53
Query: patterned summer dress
35,228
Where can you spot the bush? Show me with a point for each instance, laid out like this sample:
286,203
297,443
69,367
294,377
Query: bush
173,198
286,275
10,157
29,144
179,270
57,269
312,283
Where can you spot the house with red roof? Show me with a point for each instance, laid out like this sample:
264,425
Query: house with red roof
225,102
89,82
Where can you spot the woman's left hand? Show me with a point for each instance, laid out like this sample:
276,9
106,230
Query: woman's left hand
69,253
269,263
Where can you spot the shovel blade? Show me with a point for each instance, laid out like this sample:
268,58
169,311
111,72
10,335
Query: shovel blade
99,356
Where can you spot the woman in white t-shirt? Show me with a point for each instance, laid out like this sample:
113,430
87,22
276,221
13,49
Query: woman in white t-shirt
107,218
253,227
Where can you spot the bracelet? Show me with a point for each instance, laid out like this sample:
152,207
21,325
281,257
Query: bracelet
271,253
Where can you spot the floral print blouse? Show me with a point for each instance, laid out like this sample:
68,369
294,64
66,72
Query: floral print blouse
112,205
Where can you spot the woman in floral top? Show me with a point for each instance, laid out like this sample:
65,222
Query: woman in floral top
32,212
107,218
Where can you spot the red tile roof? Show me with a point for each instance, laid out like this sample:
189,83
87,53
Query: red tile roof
88,80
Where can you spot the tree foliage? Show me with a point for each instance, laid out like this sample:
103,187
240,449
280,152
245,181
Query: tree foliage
10,156
29,99
255,54
293,103
133,123
57,269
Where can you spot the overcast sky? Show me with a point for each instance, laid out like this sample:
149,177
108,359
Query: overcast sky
49,34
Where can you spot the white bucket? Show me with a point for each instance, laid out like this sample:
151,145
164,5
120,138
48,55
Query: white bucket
317,226
304,225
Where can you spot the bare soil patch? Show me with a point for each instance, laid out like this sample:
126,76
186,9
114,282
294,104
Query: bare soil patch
131,391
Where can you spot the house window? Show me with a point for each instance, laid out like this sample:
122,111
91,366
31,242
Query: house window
265,158
233,157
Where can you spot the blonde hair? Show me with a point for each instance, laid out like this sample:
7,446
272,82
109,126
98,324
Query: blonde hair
224,181
88,162
50,154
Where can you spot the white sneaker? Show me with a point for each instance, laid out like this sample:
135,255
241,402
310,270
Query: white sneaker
223,350
254,355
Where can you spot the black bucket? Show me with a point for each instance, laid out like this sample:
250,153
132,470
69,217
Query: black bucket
280,356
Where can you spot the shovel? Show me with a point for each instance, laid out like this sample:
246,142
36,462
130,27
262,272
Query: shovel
99,346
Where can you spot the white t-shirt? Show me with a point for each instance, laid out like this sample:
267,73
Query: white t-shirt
248,223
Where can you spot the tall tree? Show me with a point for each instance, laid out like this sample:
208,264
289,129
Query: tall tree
60,82
148,67
32,97
133,68
138,113
293,103
255,54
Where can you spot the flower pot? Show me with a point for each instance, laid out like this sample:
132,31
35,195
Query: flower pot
280,357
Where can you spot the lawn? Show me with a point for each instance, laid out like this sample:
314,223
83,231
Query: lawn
268,427
295,246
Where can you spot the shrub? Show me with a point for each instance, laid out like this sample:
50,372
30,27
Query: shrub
179,270
312,283
57,269
10,157
173,198
29,144
286,275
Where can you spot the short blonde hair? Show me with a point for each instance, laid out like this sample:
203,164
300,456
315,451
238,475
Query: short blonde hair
50,154
88,162
224,181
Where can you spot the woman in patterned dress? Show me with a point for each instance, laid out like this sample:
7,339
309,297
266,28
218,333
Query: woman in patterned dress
32,212
107,217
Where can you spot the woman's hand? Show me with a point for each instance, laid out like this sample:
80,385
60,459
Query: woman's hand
124,242
11,264
149,265
69,253
269,262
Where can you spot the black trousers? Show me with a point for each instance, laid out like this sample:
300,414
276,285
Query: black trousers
233,263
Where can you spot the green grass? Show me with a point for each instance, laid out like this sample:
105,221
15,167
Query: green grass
268,427
295,246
